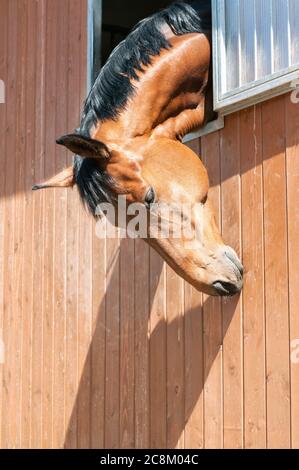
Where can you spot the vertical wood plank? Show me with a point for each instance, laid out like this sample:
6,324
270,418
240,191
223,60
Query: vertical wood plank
60,221
28,252
253,291
98,342
49,226
158,353
3,108
84,330
71,348
85,267
193,365
276,274
141,357
8,397
19,218
292,173
212,315
72,243
193,369
175,360
231,307
127,346
38,234
112,437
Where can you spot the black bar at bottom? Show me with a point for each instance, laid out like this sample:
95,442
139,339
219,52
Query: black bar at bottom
143,458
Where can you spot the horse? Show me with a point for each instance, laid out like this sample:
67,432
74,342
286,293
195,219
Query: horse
151,92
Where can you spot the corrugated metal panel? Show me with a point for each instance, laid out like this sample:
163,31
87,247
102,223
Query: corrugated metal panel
263,37
232,46
247,41
294,30
258,39
280,26
254,42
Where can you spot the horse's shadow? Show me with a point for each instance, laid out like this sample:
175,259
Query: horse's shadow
160,428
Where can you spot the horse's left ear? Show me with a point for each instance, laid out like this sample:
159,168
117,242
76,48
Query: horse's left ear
64,179
84,146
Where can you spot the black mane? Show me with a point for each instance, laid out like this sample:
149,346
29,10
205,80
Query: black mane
112,88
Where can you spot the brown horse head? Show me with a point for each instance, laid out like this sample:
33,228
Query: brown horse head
129,144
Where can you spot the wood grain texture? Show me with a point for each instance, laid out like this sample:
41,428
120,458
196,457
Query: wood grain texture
292,174
104,345
72,376
49,228
85,266
158,353
141,343
112,384
3,75
232,307
175,360
276,275
253,293
38,231
127,343
27,294
212,315
9,316
60,223
193,360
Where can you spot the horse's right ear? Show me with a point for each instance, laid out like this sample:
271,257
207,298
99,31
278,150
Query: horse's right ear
84,146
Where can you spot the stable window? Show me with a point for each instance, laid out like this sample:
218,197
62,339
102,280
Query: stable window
255,51
109,22
255,47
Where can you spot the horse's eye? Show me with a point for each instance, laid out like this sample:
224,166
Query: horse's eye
204,200
150,197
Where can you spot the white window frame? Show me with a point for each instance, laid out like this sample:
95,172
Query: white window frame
94,40
211,126
251,93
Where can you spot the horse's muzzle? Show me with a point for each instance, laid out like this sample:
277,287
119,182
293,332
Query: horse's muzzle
227,288
234,284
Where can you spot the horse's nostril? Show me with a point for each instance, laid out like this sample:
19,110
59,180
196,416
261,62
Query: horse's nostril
226,288
235,260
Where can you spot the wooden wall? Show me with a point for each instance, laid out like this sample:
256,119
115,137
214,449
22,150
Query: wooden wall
104,346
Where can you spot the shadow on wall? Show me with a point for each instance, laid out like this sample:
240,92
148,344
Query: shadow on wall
30,154
164,401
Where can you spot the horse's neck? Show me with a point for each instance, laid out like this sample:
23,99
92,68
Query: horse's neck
169,95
